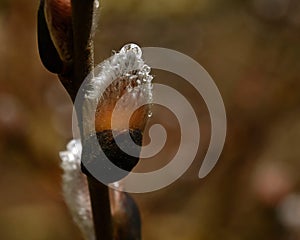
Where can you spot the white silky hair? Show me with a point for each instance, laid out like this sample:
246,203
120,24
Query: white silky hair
125,68
75,189
127,65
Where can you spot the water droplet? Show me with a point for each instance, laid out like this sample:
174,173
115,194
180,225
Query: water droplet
146,69
141,75
149,79
132,47
150,114
129,88
138,82
132,78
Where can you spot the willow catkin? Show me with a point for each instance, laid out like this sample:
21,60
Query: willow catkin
124,73
75,189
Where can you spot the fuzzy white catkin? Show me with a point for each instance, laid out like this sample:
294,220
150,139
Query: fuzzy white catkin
127,67
75,189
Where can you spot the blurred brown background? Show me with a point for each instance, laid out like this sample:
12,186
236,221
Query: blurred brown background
251,49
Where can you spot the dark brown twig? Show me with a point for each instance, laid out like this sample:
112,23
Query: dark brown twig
83,61
82,14
99,194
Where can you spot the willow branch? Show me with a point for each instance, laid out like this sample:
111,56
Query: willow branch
82,14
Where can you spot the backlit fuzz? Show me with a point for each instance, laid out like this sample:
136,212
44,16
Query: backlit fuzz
75,189
126,79
125,66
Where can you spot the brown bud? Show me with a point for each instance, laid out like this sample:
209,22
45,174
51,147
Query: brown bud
126,216
58,15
